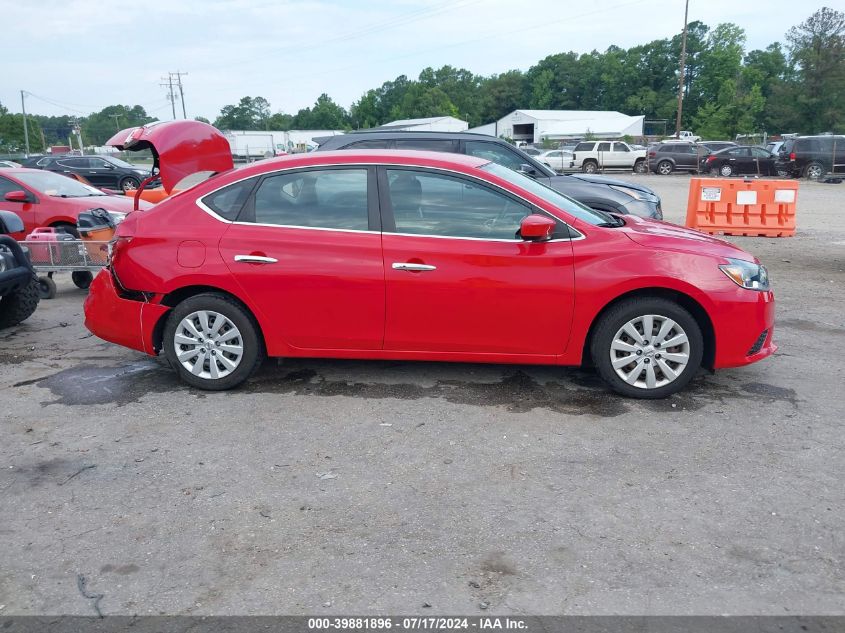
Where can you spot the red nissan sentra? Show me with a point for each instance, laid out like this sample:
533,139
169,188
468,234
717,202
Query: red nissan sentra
421,256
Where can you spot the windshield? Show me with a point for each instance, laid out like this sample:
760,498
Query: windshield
562,202
121,163
57,185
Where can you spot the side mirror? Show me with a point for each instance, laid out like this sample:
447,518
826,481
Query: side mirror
17,196
109,166
536,227
528,170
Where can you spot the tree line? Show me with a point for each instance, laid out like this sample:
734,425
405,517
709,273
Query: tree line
794,86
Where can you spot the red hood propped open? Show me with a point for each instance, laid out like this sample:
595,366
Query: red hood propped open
179,148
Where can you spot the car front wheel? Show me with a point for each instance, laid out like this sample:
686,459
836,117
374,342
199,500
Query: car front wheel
647,347
212,342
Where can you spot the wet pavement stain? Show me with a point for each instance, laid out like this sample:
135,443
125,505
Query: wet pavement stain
517,391
581,392
87,384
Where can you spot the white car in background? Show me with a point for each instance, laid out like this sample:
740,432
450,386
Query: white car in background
593,156
8,164
557,159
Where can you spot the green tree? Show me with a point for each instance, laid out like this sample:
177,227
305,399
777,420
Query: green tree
325,115
817,49
250,113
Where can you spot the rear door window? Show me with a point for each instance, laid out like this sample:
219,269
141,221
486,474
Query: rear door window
432,145
319,198
369,144
604,147
584,147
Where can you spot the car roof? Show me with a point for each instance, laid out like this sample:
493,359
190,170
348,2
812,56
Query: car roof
391,135
377,156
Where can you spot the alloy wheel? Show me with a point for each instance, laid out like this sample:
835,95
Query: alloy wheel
665,168
208,344
650,351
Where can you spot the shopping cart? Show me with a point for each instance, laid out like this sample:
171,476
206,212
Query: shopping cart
81,258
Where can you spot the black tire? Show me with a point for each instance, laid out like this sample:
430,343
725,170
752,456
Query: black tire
253,346
665,167
640,167
589,167
82,278
726,170
623,312
814,171
67,228
129,183
46,287
19,305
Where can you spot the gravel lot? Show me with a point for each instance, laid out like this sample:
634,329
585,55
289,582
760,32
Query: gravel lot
378,487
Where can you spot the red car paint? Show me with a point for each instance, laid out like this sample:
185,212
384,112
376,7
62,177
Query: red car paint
42,209
334,293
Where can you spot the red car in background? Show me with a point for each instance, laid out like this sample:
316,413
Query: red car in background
421,256
43,198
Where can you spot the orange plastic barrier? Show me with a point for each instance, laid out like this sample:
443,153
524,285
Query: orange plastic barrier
152,195
742,207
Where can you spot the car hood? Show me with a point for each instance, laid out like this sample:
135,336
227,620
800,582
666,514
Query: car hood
179,148
606,180
663,235
121,204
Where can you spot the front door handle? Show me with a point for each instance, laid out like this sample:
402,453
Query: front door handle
255,259
412,267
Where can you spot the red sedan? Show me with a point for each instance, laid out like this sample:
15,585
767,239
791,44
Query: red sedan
422,256
43,198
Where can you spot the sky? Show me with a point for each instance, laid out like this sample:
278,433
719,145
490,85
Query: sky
78,56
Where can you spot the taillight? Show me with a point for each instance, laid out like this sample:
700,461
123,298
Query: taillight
652,154
710,159
792,156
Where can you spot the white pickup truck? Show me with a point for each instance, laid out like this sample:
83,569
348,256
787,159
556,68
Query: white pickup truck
685,136
592,156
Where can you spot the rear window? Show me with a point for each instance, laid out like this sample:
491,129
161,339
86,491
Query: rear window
370,144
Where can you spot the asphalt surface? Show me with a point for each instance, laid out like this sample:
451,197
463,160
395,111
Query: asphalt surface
332,487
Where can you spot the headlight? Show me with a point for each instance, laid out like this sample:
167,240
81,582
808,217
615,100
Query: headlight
746,274
142,172
116,217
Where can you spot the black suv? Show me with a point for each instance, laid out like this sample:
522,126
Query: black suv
100,171
664,158
813,156
597,192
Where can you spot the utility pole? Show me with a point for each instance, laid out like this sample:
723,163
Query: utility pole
25,127
681,77
116,118
178,75
170,95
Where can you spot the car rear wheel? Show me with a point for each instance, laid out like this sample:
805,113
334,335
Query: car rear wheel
589,167
647,347
212,342
664,168
726,170
814,171
67,228
129,183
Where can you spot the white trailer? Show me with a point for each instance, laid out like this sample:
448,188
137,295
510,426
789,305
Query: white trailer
252,145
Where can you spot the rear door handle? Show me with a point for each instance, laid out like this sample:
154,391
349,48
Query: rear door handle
255,259
412,267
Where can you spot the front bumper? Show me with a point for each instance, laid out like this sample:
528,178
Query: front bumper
116,319
739,328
